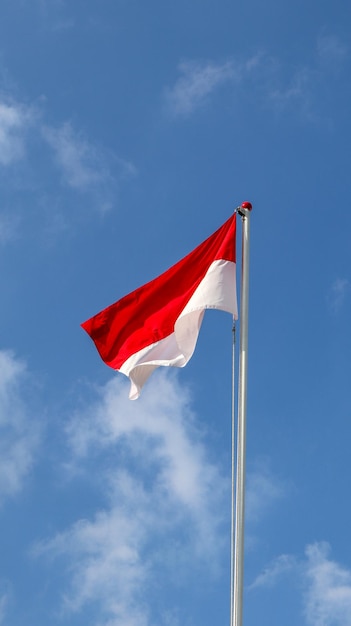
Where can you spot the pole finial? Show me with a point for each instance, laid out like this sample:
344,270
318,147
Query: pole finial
246,205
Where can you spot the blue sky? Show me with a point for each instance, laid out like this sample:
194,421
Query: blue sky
129,131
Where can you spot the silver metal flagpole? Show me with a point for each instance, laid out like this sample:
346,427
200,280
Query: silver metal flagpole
232,529
238,559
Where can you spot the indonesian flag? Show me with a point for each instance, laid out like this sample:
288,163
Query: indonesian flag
158,324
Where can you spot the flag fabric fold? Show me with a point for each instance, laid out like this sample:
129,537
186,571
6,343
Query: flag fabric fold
158,324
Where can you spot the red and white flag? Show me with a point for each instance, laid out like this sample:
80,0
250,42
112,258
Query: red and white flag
158,324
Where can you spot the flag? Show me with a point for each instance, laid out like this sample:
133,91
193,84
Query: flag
158,324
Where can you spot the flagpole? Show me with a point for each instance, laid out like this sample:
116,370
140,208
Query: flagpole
238,557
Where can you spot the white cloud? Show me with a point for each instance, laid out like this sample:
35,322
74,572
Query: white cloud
5,597
18,433
163,421
268,79
196,83
165,503
260,73
331,50
3,604
274,571
328,594
106,562
14,122
84,167
325,585
81,164
263,489
51,14
297,91
339,291
199,80
37,148
304,85
8,227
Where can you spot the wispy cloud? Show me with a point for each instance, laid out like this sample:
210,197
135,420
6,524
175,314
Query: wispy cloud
19,433
63,157
51,162
297,91
166,418
331,50
106,559
195,84
81,164
5,597
163,515
8,227
15,119
324,584
302,85
338,293
328,593
263,490
275,571
198,81
269,79
53,14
